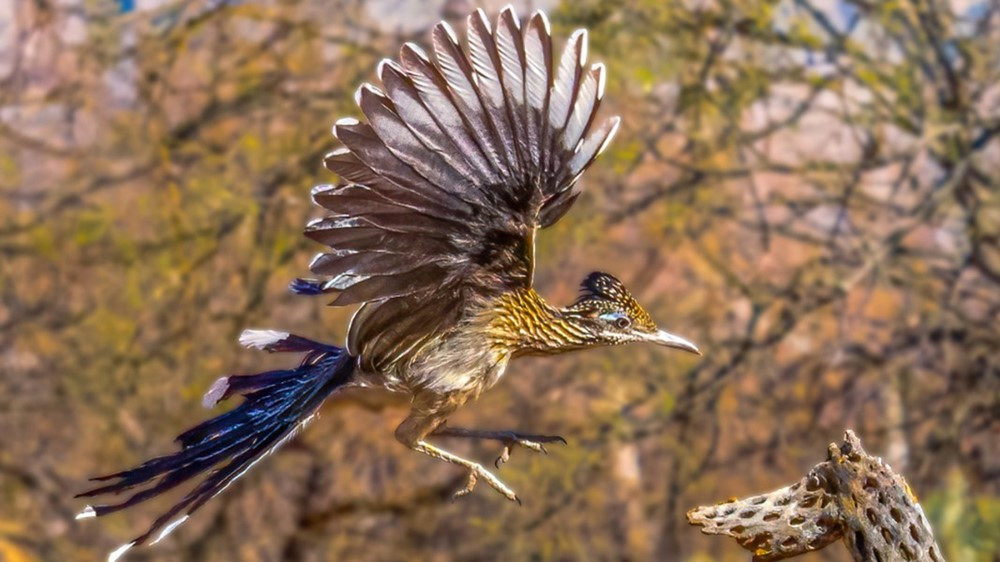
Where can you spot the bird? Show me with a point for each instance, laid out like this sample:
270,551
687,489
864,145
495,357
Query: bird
462,156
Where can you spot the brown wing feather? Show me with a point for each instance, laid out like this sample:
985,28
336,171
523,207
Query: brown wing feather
462,157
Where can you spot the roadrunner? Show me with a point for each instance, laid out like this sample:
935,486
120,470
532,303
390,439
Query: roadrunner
463,157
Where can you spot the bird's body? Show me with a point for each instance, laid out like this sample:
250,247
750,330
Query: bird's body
462,362
461,161
472,357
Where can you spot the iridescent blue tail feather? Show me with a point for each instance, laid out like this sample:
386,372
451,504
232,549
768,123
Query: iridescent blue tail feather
276,404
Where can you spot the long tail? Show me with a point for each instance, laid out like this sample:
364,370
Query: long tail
276,405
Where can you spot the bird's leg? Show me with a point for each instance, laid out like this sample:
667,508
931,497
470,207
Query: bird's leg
418,425
510,439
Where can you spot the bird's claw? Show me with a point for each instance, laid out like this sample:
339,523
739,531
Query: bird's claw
532,442
469,486
475,473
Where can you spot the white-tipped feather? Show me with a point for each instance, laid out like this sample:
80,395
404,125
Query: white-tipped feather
215,392
536,73
87,513
416,65
545,22
599,69
567,79
169,529
583,108
461,82
510,49
508,36
592,146
337,152
466,157
260,339
446,27
486,73
371,90
120,551
615,122
321,188
480,37
380,69
537,86
344,122
316,259
416,50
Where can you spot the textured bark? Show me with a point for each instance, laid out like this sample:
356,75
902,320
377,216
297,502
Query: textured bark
851,496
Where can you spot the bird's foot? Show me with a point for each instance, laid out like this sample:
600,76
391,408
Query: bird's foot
535,443
477,471
510,439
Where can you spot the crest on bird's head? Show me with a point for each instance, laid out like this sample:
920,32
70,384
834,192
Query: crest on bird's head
604,296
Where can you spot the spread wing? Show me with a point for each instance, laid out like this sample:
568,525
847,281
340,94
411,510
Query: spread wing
462,157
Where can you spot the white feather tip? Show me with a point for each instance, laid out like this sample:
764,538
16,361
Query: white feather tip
545,21
169,529
87,513
215,392
120,551
599,69
261,339
344,122
483,20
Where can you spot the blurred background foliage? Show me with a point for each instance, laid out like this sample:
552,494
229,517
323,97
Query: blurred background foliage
806,188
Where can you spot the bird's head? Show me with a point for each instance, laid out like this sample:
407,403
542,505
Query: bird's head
611,316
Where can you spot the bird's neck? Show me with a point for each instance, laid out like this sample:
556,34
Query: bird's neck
522,323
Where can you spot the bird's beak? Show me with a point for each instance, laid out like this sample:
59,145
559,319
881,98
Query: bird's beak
667,339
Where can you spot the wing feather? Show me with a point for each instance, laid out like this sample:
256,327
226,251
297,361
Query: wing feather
411,110
459,160
537,85
591,147
567,82
458,73
557,206
386,332
565,89
486,64
433,90
364,144
357,199
588,100
365,263
510,50
378,287
449,173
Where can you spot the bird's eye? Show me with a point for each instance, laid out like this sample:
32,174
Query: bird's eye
622,323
